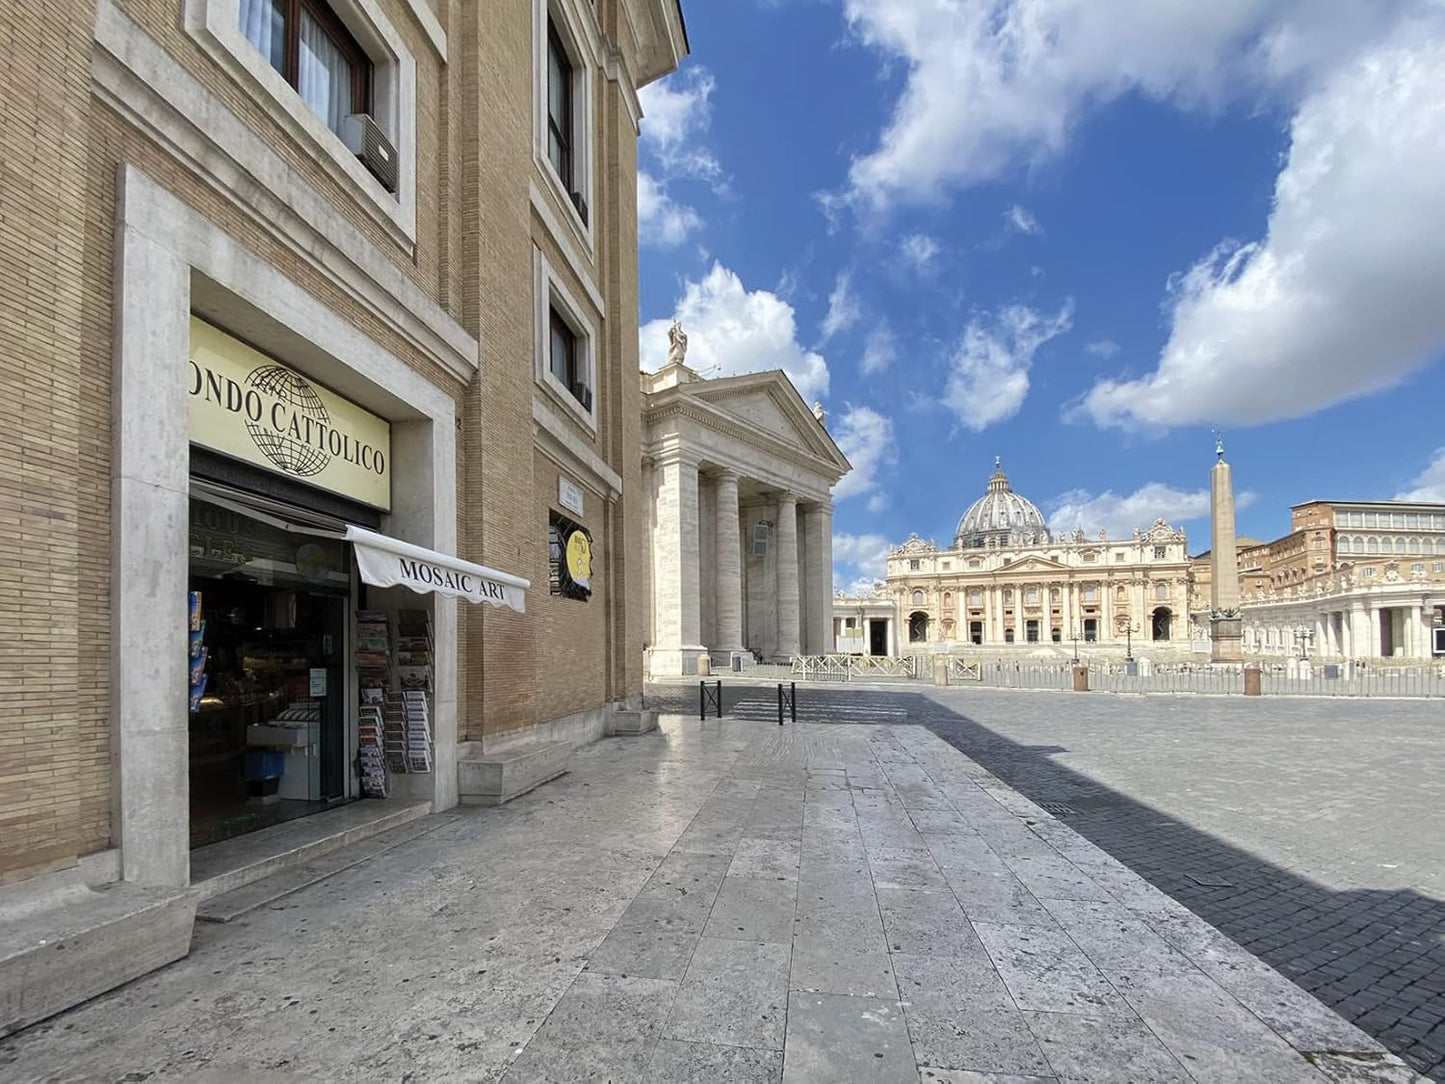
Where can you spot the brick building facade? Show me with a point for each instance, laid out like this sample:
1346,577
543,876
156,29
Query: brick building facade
462,271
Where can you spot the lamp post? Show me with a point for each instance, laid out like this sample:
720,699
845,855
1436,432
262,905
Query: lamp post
1304,637
1129,630
1076,646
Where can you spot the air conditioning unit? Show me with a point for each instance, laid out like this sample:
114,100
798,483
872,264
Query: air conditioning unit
365,139
761,534
581,205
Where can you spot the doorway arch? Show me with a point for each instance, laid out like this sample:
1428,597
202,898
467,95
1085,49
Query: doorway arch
1163,619
917,627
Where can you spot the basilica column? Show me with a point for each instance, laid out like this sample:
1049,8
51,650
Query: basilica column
1376,640
674,569
787,576
728,568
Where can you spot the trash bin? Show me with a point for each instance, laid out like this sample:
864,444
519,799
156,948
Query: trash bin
737,662
1252,681
704,666
1081,679
1131,669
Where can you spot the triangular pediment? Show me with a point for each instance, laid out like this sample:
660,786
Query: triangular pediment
767,402
1036,564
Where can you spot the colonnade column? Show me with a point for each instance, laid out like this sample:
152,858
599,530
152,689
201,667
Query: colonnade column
729,568
818,543
788,575
1322,645
674,569
1424,618
1376,641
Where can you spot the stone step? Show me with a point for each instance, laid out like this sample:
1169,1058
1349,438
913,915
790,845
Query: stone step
232,905
77,942
223,867
629,723
499,776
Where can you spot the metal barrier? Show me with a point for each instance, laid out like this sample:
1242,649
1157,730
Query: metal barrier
709,697
787,697
847,667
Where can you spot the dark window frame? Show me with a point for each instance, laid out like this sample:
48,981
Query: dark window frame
575,370
562,129
362,66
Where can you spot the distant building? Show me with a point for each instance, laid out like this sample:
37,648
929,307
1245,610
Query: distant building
1008,580
1352,580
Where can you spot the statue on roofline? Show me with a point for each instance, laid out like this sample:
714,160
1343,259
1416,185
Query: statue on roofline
677,344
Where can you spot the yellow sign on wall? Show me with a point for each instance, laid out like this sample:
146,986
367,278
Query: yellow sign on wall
250,407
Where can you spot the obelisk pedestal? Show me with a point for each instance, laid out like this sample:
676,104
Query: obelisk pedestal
1225,624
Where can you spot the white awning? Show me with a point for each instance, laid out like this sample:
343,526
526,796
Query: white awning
390,562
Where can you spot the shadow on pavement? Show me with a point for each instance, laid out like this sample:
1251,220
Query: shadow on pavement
1377,957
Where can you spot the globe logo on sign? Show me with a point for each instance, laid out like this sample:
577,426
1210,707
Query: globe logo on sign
301,401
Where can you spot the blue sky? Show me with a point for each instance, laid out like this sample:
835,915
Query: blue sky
1069,234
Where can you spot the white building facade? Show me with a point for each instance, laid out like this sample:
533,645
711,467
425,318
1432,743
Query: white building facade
739,473
1008,580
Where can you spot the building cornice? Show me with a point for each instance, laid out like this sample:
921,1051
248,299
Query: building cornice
694,410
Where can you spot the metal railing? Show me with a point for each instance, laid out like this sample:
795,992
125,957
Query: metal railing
848,667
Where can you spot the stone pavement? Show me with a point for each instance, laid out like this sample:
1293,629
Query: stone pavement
728,901
1309,830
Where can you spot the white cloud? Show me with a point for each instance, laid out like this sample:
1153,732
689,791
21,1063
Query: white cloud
661,220
879,349
859,559
920,250
1102,348
1119,515
1429,485
676,114
877,502
733,330
843,308
995,83
990,367
866,438
1342,296
1022,219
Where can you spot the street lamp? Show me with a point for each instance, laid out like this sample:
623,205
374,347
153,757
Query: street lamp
1129,630
1076,646
1304,637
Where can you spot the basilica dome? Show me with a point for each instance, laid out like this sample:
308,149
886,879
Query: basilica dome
1001,518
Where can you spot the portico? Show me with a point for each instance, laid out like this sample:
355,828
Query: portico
741,529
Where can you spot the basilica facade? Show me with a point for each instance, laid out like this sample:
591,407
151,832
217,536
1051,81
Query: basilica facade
1006,580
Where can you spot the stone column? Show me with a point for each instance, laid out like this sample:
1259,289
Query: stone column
788,576
818,561
1322,646
1424,618
1224,564
729,569
674,569
1359,631
1376,648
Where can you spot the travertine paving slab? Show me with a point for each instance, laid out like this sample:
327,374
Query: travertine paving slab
734,993
1103,1050
754,909
833,966
1044,970
772,859
677,1062
648,951
835,1038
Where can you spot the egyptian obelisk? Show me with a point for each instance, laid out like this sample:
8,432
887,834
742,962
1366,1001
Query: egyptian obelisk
1224,620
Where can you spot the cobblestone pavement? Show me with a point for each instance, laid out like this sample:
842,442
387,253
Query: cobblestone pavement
1311,831
721,902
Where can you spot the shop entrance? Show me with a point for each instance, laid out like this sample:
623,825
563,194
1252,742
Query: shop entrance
268,671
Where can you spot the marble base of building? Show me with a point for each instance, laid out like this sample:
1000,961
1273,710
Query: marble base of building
1226,639
674,661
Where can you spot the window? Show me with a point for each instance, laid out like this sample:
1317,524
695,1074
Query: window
1008,636
947,599
1008,598
913,565
1158,553
314,52
1118,557
947,565
918,598
1120,593
975,563
566,359
1369,573
975,597
560,125
1438,566
1089,557
850,622
1091,593
1417,567
1031,596
1054,595
1161,591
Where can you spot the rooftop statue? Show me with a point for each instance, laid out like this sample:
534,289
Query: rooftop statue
677,343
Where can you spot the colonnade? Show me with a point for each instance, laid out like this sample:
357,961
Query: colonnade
1360,628
720,586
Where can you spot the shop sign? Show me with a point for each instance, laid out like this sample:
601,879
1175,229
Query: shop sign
571,559
569,496
390,562
247,406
